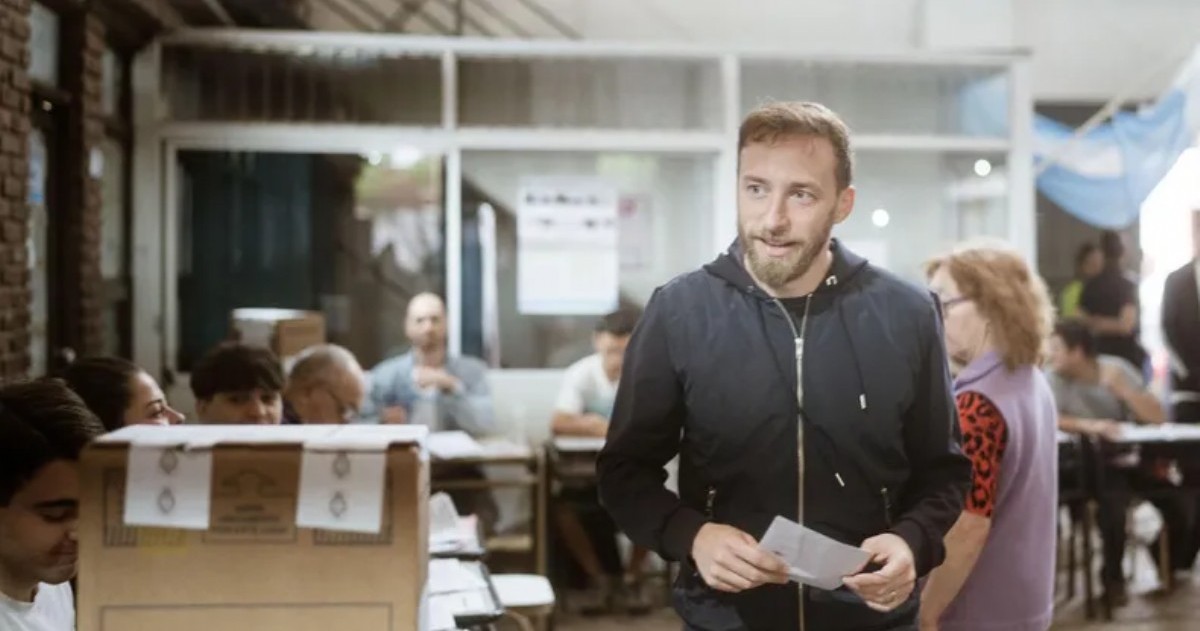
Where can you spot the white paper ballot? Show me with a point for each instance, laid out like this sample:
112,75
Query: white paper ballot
812,558
452,445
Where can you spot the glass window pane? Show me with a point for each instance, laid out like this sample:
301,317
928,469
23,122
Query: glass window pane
113,263
113,76
204,83
37,253
43,45
353,237
929,100
912,205
672,94
665,205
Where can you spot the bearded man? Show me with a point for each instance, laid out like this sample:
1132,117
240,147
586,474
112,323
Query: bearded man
793,379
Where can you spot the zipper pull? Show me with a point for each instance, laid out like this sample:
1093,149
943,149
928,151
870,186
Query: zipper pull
710,501
841,482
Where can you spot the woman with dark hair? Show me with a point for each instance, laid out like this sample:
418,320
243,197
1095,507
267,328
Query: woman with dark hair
1089,261
119,392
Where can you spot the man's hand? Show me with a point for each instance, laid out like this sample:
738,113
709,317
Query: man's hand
889,587
731,561
426,377
394,415
1106,429
595,425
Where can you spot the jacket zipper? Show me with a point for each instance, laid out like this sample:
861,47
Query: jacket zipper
798,341
710,503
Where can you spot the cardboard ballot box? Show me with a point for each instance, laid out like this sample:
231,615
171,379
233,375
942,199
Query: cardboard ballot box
278,528
285,331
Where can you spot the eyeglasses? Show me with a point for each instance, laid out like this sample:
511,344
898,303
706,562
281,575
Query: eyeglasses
945,304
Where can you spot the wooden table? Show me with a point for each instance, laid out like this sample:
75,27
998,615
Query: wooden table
504,453
1180,442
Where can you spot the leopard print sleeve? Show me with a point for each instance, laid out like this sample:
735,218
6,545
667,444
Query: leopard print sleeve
985,436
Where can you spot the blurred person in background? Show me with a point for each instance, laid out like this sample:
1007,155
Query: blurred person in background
1089,261
1096,393
325,386
119,392
428,386
237,384
1181,330
583,408
1109,305
1000,555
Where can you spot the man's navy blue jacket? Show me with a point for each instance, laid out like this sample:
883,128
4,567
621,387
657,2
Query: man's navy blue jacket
710,374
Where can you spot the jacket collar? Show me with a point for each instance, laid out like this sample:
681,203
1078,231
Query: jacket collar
728,267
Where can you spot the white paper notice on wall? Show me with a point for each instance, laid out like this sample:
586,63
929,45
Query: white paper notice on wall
342,490
567,255
636,232
168,487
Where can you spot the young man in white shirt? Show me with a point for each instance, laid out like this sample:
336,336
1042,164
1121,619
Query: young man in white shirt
583,407
43,428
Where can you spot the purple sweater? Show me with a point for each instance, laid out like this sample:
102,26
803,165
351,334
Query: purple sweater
1012,585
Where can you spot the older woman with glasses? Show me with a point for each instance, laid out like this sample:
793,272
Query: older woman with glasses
999,568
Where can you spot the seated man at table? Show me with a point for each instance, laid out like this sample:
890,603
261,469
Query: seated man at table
583,407
238,384
428,386
1095,394
325,386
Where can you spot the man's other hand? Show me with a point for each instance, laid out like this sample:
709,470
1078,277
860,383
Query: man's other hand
394,415
730,560
891,585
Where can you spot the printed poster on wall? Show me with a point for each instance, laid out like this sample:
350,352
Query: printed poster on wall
567,252
636,229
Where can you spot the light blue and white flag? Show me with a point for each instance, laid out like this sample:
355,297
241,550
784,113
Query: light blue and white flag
1103,176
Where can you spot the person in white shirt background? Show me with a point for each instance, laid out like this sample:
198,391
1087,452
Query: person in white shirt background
43,428
583,407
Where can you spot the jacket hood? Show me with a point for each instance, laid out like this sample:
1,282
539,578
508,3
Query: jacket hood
728,267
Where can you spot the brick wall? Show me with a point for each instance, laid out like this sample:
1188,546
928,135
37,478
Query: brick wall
80,301
14,166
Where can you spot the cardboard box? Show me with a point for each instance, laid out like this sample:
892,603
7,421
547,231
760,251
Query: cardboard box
284,331
228,553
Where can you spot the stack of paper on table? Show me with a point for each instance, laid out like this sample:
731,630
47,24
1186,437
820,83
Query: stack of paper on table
452,445
456,588
812,558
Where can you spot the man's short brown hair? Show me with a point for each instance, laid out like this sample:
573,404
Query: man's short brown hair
775,121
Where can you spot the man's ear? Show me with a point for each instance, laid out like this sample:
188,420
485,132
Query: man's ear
202,409
845,205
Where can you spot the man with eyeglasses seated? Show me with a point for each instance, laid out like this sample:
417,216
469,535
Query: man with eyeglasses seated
238,384
325,386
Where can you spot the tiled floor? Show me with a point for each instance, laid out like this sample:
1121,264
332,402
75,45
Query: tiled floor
1178,611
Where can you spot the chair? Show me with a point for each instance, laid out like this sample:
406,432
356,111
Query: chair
525,598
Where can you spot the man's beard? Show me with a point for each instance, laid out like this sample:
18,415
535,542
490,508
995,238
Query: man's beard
776,273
